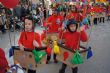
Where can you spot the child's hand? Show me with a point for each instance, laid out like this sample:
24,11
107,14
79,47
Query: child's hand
21,47
81,28
16,62
61,29
35,43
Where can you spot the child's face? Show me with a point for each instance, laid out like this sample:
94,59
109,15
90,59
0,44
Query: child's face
54,12
28,25
72,27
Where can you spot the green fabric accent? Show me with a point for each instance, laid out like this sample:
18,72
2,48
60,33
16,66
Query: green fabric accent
38,55
77,58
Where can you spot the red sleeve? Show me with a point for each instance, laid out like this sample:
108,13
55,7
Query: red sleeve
95,9
70,15
43,35
49,19
60,34
89,10
83,36
84,12
38,39
82,17
3,61
44,24
79,17
20,39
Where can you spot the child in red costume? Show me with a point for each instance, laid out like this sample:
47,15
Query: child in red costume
54,23
28,38
108,12
71,39
75,14
3,62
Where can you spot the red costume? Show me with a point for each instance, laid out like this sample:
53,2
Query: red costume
76,16
3,62
56,22
27,38
72,39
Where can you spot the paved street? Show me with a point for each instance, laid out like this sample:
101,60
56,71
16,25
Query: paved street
99,41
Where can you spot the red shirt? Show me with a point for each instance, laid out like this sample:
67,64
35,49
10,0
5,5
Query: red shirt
72,15
27,38
103,9
43,35
3,62
56,22
96,9
109,8
72,39
75,16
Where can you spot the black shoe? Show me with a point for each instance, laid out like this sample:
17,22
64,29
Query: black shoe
31,71
61,71
75,70
55,61
4,32
47,62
